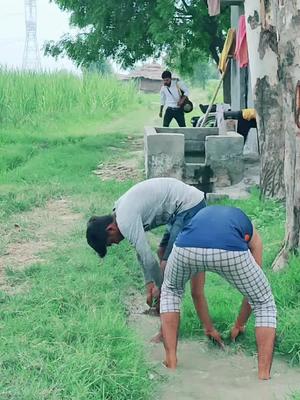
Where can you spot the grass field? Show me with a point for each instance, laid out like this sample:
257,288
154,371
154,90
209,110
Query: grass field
66,335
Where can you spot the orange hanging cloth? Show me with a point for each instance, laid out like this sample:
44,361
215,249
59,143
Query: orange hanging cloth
241,49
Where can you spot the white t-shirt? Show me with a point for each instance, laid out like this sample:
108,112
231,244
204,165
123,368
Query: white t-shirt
147,205
169,96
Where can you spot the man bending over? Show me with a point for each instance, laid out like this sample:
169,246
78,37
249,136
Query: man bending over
223,240
147,205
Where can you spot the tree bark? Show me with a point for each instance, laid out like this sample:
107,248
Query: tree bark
289,74
264,68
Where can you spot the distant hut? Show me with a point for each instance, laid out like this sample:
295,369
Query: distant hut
148,77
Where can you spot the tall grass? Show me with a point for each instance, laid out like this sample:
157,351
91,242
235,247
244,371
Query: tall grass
67,337
29,98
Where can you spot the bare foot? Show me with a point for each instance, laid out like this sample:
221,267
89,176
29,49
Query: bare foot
172,364
264,376
158,338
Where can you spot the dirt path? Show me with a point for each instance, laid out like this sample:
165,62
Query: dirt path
131,167
205,372
31,233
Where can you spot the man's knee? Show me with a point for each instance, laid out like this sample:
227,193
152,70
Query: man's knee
265,314
170,299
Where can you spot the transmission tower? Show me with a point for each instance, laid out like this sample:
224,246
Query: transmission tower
31,57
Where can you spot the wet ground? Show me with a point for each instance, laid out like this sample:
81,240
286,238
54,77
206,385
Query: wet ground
205,372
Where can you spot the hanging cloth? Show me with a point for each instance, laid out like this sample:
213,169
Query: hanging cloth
249,113
228,49
241,49
213,7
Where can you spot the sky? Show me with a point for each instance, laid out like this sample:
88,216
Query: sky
52,23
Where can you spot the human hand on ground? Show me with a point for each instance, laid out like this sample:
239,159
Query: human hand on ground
236,331
214,335
153,295
149,299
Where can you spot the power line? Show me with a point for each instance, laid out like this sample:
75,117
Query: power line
31,56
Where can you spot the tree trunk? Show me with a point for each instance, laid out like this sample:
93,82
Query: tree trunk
264,68
289,50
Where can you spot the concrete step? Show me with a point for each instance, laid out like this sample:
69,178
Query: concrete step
194,158
195,164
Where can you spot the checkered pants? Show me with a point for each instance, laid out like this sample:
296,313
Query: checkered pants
237,267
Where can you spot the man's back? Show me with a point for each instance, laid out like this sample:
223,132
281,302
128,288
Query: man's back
217,227
154,201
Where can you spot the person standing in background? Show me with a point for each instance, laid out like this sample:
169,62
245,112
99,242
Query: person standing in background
172,96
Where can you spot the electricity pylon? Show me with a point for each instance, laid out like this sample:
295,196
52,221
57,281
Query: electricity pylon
31,57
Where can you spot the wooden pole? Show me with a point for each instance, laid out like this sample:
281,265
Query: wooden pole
214,97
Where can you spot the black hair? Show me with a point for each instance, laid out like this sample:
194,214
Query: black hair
166,75
96,234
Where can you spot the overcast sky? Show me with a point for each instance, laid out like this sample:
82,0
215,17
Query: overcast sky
51,24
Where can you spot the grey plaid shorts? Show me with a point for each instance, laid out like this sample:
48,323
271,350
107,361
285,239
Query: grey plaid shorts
237,267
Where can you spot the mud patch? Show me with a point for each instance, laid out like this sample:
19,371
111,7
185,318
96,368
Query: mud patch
205,372
31,234
121,170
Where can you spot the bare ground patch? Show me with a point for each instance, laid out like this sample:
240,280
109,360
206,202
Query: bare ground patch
206,372
32,233
129,168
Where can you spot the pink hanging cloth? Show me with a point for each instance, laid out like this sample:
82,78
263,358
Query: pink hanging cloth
241,48
213,7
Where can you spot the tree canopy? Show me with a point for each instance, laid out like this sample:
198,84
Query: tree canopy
133,30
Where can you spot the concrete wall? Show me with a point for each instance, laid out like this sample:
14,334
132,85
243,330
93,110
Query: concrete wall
174,152
194,138
164,154
241,90
224,155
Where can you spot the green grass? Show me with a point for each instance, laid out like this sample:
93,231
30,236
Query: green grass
67,336
31,98
295,396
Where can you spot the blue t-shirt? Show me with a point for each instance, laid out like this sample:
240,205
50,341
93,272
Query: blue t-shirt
217,227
